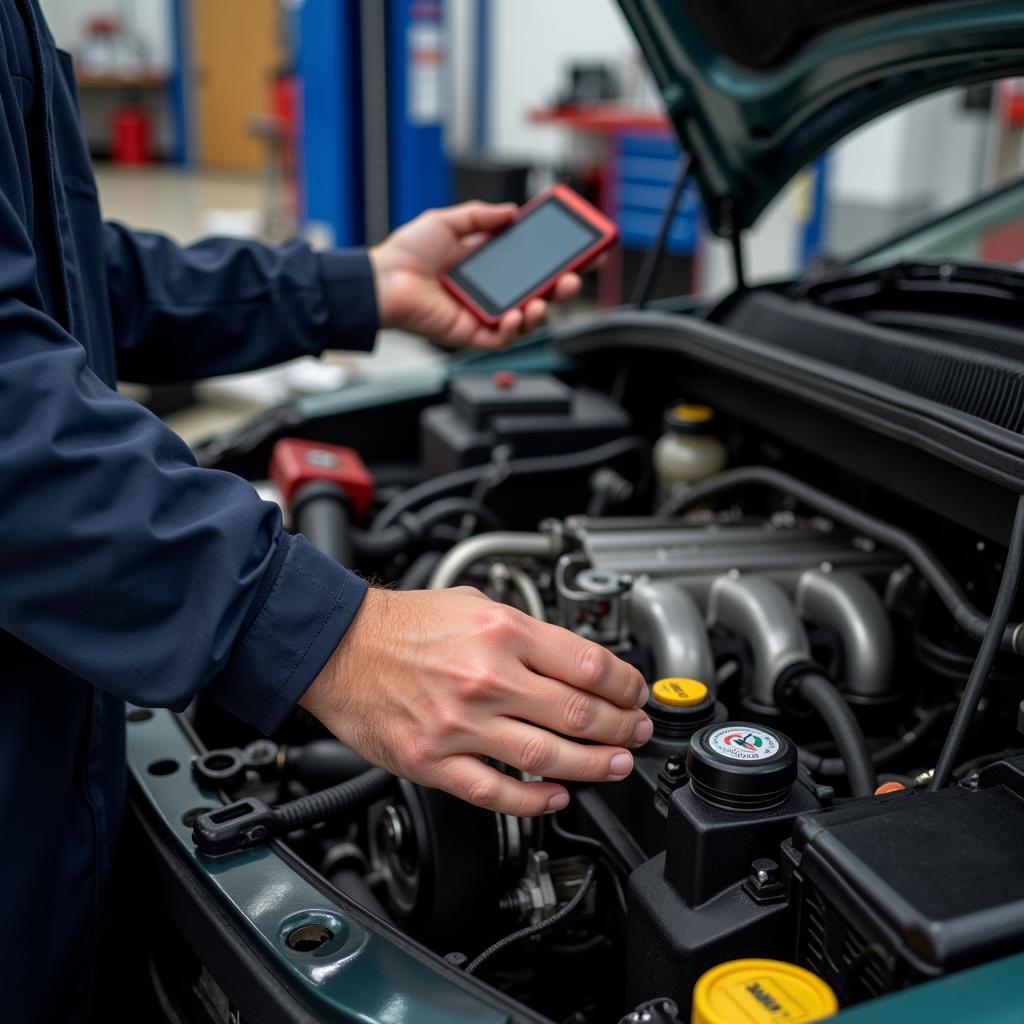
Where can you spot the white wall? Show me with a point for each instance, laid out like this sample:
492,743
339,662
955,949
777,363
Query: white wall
929,152
150,19
533,43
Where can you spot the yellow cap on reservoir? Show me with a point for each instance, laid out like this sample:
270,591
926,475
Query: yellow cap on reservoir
691,413
761,992
679,693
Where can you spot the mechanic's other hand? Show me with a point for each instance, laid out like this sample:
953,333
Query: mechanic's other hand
410,297
427,683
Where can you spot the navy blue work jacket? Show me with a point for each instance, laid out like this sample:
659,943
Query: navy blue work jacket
126,572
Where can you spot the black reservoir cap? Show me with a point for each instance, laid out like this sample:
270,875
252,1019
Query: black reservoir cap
479,399
739,766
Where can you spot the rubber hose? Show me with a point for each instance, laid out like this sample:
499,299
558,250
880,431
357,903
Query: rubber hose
447,508
333,802
949,592
380,545
321,513
417,576
353,885
884,756
464,479
815,690
978,678
325,762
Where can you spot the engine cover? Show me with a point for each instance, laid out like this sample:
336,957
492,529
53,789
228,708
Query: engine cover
898,889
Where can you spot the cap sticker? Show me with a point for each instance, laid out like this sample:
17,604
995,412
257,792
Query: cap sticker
743,743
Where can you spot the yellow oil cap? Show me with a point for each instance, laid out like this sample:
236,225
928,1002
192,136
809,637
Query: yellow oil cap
761,992
691,413
679,693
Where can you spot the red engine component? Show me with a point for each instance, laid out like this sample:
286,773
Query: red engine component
295,463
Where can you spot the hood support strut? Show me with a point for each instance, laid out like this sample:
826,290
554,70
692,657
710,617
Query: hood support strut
652,258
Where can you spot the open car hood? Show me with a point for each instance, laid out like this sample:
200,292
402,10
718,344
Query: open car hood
756,90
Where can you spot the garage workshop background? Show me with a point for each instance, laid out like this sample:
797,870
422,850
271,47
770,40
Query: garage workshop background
340,119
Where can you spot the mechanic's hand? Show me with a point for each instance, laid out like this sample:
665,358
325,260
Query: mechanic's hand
409,295
426,683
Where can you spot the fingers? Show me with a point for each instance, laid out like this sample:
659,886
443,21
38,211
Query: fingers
470,242
533,315
498,337
470,779
539,752
474,216
555,652
574,712
566,287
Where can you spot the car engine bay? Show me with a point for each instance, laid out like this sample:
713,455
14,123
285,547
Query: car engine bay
808,632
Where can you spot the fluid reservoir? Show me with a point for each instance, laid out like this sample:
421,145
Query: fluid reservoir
739,766
679,707
689,450
761,992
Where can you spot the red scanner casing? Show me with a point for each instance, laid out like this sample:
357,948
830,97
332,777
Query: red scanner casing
295,463
608,235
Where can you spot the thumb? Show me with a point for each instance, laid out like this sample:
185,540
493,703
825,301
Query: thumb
469,218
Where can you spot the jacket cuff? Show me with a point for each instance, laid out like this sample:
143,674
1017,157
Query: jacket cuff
351,298
309,604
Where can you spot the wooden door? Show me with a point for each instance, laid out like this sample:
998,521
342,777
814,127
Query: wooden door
236,50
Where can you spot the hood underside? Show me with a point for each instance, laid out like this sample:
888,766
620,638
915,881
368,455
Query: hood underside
756,89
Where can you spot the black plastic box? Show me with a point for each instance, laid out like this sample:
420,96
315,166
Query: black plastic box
896,890
534,414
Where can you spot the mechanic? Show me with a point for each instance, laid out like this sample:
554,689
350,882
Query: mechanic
131,574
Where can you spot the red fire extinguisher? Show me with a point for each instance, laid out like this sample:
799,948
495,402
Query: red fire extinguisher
131,132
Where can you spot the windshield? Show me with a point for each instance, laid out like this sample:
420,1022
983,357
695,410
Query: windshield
989,231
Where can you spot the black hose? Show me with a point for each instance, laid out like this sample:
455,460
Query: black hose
333,802
380,545
949,592
355,887
465,479
417,576
883,756
322,514
540,926
447,508
249,822
324,762
820,694
990,643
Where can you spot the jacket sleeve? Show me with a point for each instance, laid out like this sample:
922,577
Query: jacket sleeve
224,305
123,561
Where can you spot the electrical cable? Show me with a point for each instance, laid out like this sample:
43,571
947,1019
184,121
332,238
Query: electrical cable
574,837
883,756
648,274
412,527
464,479
990,643
359,791
541,926
249,822
446,508
948,591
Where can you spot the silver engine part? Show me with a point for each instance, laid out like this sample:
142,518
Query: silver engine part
645,581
